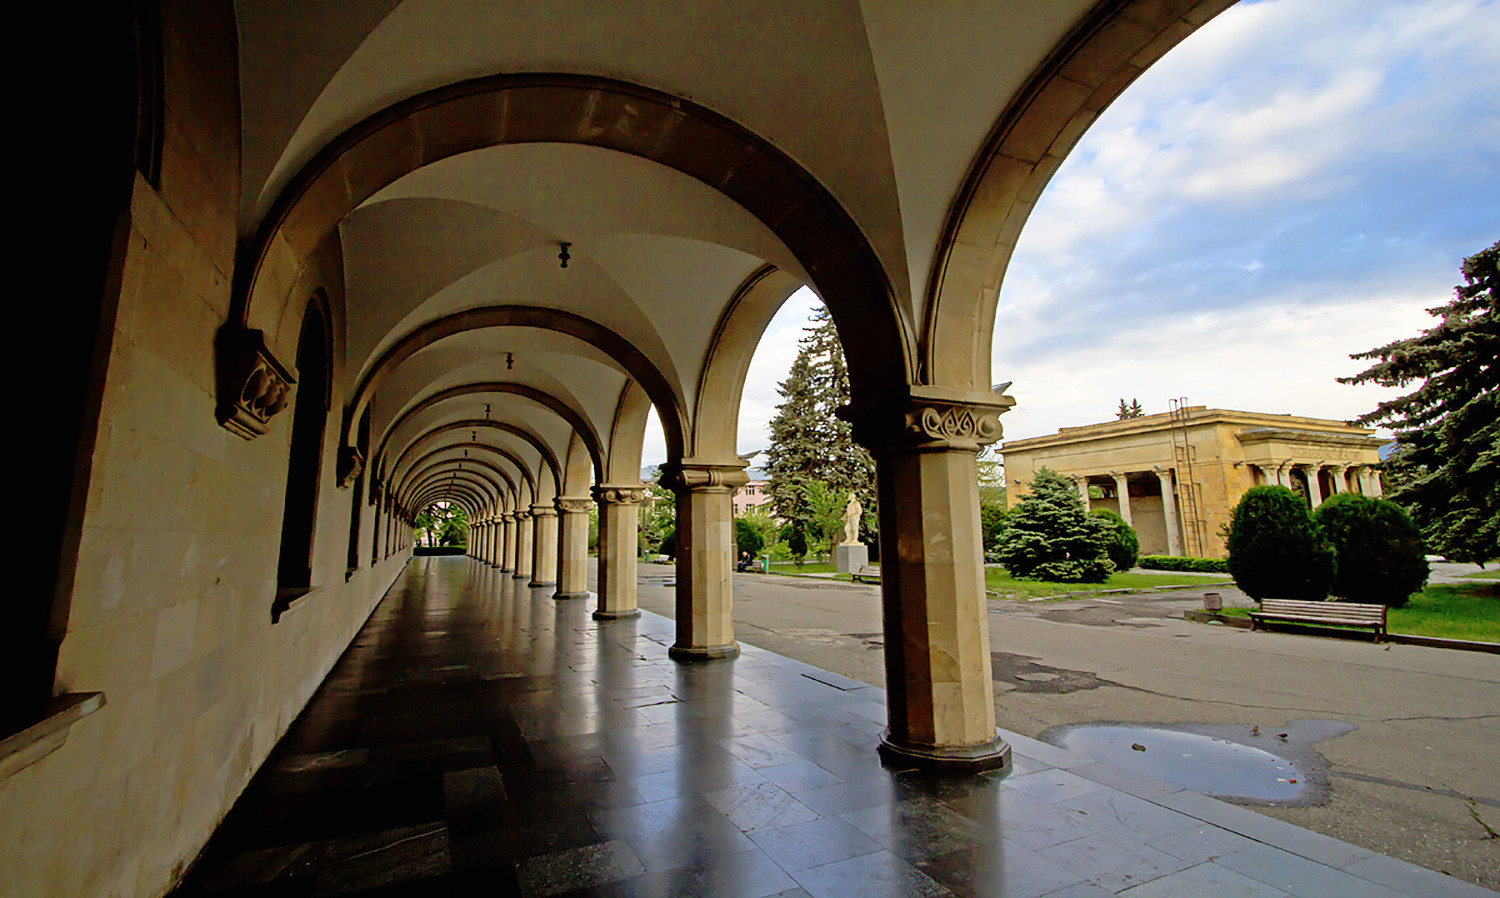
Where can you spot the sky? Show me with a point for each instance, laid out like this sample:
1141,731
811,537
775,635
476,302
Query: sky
1297,181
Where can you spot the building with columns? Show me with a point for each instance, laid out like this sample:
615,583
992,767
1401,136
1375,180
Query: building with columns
314,267
1176,477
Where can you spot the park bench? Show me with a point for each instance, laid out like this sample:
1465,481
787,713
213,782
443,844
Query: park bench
1346,614
866,574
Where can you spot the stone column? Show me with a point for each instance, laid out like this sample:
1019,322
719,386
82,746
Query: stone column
1083,490
705,556
508,559
489,541
1169,512
941,700
1372,486
1314,488
1337,479
1122,492
573,547
523,546
543,546
619,507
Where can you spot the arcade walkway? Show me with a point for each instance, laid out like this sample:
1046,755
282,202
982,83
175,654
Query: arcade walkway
480,738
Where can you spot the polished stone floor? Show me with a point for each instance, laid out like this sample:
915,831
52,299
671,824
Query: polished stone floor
479,738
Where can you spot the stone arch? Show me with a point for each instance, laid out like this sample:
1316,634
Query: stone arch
497,478
727,362
468,502
485,492
549,458
574,417
630,359
576,469
627,435
1086,71
561,108
433,458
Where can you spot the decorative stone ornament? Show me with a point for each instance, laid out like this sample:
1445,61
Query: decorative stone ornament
573,505
932,418
619,495
252,384
351,463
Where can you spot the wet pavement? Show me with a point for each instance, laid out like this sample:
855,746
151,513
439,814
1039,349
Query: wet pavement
480,738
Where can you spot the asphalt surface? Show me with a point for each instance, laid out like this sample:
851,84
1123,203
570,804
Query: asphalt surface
1417,778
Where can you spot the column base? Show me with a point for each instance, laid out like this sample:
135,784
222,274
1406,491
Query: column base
564,596
991,755
538,584
704,653
520,576
616,615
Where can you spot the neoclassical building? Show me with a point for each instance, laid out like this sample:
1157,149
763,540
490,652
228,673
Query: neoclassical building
1176,477
311,268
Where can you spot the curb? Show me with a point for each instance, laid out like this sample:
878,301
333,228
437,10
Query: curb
1243,623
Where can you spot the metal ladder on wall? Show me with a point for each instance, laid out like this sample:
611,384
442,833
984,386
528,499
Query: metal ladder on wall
1189,491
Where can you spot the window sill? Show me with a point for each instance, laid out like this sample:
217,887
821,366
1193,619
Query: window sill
47,735
289,600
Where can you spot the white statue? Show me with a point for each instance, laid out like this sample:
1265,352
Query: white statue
852,513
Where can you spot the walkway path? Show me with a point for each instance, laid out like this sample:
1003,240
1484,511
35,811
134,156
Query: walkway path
479,738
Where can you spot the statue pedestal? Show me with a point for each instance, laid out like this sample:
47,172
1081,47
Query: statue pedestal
849,559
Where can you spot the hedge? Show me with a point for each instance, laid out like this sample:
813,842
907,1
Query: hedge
1184,563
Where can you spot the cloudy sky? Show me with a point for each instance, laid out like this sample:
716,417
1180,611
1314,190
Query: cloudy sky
1297,181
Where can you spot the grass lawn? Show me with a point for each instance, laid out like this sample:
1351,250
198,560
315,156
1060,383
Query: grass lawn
998,580
1484,575
811,567
1456,611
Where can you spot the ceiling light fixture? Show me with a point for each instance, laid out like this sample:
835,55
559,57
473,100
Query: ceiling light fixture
562,253
510,358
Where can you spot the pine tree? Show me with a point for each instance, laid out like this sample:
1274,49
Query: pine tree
808,441
1446,470
1129,410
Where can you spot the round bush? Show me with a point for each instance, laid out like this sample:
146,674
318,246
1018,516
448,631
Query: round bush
747,538
1124,547
1049,536
1275,548
1381,557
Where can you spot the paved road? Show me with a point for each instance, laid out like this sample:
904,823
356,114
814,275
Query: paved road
1424,759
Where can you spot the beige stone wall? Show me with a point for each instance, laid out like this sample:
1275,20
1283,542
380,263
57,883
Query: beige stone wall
170,616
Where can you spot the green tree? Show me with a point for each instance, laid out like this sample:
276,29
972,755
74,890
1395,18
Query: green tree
1124,546
1132,410
1049,535
1446,469
809,442
991,525
747,537
1275,548
1379,551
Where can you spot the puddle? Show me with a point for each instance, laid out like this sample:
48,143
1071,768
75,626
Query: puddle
1242,763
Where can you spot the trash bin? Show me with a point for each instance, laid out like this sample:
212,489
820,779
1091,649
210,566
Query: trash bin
1212,601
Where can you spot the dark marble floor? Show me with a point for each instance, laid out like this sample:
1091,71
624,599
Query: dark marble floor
479,738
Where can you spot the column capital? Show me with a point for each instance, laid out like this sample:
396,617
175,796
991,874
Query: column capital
619,493
700,476
929,418
573,504
521,515
543,511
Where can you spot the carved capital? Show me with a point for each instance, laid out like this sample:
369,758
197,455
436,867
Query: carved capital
929,418
572,505
691,476
522,516
252,384
619,494
351,463
543,511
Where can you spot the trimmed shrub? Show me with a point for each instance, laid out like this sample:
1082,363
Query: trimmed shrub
1184,563
669,544
747,537
1049,536
1275,548
1381,557
1124,546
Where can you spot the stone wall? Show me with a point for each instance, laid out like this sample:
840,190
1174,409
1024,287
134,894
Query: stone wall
170,614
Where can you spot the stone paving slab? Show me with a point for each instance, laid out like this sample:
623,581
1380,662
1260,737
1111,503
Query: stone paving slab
478,738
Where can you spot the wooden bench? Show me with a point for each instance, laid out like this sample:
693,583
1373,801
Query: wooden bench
1346,614
866,574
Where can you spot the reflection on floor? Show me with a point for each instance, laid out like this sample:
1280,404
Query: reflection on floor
480,738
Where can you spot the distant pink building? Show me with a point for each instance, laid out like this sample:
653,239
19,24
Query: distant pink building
751,495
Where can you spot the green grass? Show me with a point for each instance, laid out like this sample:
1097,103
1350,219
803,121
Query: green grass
1484,575
811,567
1461,611
998,580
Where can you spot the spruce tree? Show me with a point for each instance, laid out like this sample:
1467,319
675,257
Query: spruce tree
1049,535
1446,468
811,443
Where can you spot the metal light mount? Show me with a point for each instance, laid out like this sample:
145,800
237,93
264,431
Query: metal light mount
562,253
